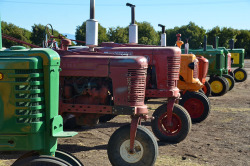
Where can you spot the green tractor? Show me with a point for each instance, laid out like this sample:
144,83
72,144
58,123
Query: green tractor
29,99
219,66
237,59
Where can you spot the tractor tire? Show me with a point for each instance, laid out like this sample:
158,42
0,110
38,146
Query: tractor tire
66,156
240,75
145,147
207,89
181,124
230,80
41,160
197,105
219,86
231,74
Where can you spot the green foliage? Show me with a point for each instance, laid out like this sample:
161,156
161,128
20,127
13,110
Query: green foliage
147,34
81,33
16,32
118,35
191,32
243,41
224,34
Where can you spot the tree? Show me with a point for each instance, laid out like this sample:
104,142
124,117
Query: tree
224,34
16,32
191,32
118,35
243,41
147,34
81,33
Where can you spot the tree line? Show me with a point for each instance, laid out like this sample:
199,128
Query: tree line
191,33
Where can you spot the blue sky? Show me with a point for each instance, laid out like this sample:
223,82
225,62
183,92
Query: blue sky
66,15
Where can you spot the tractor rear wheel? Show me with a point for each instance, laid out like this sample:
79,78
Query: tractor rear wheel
197,105
180,125
66,156
219,85
230,80
207,89
240,75
41,160
145,147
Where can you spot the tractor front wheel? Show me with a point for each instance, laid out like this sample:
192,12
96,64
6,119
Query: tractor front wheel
230,80
207,89
145,147
179,128
40,160
66,156
219,86
240,75
197,104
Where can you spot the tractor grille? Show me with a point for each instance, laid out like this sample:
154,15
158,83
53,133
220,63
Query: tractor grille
136,80
196,69
29,92
173,66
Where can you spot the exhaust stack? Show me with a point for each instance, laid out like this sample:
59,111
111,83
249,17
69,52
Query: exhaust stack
205,43
133,28
92,27
0,35
231,44
187,47
216,42
163,36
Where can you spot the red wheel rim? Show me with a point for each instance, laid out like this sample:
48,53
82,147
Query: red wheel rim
175,127
195,107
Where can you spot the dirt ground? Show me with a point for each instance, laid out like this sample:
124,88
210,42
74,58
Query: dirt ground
223,139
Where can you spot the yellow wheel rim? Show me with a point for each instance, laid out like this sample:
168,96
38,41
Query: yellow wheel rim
230,82
216,86
239,75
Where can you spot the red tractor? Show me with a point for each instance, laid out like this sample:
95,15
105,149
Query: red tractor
171,122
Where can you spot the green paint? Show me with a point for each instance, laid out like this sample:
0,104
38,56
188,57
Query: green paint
0,34
29,97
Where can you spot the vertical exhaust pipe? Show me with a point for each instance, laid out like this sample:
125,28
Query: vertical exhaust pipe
205,43
231,43
0,34
133,28
187,47
163,35
92,28
216,42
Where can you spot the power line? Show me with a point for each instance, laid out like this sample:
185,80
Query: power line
143,4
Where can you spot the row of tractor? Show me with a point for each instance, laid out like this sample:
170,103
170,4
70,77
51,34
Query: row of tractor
92,84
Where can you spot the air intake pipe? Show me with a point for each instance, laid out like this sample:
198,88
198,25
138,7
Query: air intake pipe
216,42
163,36
92,27
0,34
133,28
231,43
205,43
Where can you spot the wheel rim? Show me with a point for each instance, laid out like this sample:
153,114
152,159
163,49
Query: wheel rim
229,81
216,86
195,107
169,130
127,155
239,75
